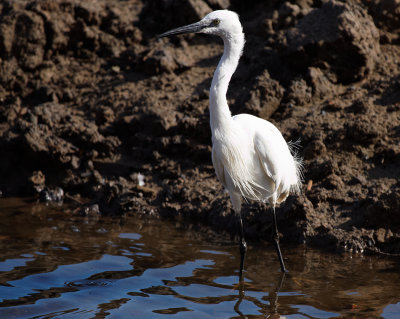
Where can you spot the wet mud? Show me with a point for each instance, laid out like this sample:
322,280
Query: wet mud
95,110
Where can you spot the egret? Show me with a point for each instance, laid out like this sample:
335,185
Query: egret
250,156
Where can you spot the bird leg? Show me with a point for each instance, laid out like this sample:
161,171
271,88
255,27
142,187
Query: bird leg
275,238
243,245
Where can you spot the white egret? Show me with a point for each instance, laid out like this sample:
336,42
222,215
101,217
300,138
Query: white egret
250,156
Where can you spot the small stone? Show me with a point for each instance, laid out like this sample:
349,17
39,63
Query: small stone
92,210
116,68
38,178
140,179
47,195
380,235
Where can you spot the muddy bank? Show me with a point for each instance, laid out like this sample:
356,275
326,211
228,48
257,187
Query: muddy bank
94,109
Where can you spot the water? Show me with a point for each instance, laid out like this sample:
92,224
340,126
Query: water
56,265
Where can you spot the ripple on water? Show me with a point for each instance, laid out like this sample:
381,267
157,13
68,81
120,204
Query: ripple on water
144,269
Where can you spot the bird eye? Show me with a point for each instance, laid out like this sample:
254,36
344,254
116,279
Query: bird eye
215,22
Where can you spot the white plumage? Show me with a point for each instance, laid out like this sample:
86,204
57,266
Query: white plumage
250,156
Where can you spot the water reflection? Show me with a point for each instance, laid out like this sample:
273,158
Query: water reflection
54,265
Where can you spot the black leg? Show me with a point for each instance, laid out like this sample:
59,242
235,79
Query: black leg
243,246
275,238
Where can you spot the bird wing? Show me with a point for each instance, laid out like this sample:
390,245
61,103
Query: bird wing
267,147
218,167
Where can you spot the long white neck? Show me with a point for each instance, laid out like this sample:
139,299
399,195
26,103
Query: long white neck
220,115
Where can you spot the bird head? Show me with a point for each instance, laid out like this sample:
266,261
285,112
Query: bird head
220,22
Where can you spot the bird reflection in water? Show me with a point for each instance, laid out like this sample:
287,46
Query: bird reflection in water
272,312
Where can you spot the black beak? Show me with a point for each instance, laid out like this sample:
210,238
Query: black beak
191,28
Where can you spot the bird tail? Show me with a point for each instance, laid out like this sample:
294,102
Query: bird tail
294,147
